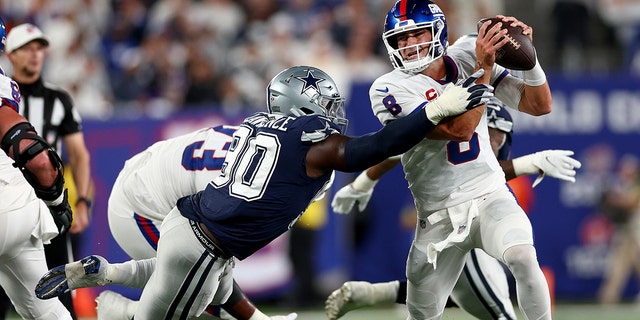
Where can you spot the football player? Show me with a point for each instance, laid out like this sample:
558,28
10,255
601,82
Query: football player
145,190
482,289
30,172
277,163
459,189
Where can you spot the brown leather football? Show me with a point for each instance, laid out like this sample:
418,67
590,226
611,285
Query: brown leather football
518,53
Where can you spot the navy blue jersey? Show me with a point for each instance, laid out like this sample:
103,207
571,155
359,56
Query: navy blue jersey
499,118
263,187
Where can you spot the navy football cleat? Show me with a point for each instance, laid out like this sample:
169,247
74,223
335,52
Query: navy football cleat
90,271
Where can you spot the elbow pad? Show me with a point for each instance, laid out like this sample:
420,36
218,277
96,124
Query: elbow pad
395,138
12,139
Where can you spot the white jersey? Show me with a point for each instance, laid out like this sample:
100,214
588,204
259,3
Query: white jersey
8,90
171,169
442,174
7,171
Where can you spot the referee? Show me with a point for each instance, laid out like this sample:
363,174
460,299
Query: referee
52,113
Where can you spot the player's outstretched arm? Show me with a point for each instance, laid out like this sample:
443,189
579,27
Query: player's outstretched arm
339,152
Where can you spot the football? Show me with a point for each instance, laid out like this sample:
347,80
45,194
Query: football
518,53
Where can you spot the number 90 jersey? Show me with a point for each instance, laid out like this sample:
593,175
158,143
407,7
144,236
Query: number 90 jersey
441,174
263,187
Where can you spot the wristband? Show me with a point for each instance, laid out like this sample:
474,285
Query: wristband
524,165
363,183
86,200
534,77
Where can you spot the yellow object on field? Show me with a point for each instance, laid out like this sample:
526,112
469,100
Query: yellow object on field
315,217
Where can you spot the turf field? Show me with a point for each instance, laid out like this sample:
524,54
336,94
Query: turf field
563,311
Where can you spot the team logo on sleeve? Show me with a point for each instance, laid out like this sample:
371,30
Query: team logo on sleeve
319,134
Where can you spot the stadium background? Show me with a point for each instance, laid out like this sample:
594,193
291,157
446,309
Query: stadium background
130,63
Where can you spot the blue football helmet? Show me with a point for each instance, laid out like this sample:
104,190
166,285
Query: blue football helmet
411,15
3,35
304,90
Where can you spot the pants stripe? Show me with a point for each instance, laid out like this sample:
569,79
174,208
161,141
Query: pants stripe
196,291
148,230
185,286
484,283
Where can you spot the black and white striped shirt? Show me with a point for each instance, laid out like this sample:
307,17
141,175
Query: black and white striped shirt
50,110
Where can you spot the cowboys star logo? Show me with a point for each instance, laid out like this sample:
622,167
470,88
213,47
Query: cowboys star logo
310,81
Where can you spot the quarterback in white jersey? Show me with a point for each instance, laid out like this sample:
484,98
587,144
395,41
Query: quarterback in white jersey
458,187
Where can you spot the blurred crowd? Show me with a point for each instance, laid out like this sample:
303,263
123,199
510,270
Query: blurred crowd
153,57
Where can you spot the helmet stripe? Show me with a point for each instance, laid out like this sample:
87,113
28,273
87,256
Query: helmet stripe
403,10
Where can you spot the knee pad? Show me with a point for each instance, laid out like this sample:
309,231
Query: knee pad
520,256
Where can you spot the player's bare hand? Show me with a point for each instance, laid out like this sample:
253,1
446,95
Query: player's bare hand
80,218
526,29
489,41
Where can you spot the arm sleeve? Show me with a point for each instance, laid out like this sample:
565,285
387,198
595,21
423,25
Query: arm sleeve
395,138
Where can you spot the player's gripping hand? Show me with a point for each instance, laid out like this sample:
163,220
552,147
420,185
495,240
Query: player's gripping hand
290,316
456,99
61,213
554,163
344,200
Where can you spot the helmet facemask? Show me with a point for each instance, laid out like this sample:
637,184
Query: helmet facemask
436,48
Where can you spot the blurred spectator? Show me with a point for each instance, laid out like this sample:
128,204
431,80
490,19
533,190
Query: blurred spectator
621,205
462,16
203,81
134,55
624,15
571,34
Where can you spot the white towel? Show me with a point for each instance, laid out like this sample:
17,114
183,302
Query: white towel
461,217
46,228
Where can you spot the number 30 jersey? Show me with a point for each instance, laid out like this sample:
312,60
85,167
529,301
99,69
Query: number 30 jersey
263,187
440,174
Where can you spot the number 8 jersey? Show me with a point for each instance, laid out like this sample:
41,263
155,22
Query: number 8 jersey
263,187
441,174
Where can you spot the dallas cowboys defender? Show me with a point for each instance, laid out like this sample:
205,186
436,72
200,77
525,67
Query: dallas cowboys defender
459,189
25,221
146,189
278,163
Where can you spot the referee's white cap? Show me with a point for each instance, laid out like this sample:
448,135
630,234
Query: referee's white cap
22,34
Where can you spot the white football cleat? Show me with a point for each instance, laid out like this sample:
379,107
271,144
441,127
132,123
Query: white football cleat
112,306
352,295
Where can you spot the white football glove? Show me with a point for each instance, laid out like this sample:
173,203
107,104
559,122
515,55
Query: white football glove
344,200
456,99
290,316
554,163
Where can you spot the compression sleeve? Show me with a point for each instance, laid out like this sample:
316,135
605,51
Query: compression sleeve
395,138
